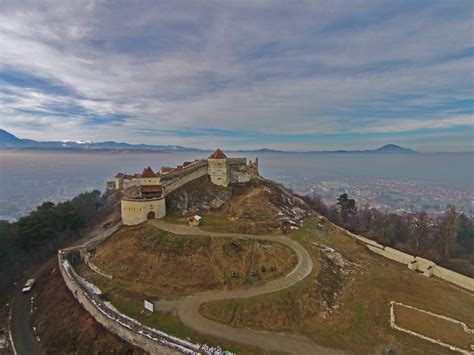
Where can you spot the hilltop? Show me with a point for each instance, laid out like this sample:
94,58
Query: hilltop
262,272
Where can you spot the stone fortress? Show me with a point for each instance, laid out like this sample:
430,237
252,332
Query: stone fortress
145,194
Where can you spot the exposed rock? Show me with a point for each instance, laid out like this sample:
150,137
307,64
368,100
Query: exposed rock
335,270
199,194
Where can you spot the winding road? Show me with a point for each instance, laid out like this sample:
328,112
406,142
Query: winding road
25,341
187,308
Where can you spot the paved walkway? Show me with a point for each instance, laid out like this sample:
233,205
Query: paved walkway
187,308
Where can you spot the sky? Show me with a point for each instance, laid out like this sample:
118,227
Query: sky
293,75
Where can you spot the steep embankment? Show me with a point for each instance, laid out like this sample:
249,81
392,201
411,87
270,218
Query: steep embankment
63,326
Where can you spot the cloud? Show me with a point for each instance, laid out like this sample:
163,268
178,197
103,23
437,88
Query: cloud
137,71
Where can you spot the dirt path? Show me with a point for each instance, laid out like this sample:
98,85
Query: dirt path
187,308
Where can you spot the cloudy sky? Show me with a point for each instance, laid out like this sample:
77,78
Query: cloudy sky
240,74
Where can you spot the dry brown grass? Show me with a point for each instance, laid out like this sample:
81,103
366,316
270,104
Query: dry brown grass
65,327
130,302
164,265
361,322
433,327
258,207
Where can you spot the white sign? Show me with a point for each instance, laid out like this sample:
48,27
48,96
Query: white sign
149,306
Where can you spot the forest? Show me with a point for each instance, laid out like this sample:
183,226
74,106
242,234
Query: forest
448,240
37,236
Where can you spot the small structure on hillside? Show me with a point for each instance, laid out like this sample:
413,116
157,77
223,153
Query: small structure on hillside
194,221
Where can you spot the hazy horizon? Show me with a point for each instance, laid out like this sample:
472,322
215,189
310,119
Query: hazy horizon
28,179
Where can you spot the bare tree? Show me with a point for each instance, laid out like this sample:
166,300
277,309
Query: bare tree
421,228
449,230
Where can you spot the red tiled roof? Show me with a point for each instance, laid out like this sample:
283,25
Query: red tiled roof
151,188
218,154
148,173
166,169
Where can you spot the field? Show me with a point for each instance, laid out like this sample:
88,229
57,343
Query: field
345,306
162,265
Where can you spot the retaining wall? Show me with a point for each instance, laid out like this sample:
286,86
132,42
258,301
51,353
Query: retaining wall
426,266
98,271
399,256
116,323
454,277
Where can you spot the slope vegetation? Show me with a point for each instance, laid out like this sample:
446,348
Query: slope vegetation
161,264
259,206
344,303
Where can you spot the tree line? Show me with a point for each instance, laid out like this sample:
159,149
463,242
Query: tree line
448,240
35,237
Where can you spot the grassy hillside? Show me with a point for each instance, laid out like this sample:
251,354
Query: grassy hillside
258,207
151,261
344,303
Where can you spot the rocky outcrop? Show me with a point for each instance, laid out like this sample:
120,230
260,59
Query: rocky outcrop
197,195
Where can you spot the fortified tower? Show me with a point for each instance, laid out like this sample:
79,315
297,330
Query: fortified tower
218,168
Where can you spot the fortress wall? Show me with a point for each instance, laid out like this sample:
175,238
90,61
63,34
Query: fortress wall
377,250
190,169
187,175
454,277
399,256
98,271
363,239
236,161
113,325
135,211
129,183
420,264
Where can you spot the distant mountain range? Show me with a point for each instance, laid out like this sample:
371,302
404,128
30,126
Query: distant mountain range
386,149
11,142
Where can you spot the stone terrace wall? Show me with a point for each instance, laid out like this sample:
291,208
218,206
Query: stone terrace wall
426,266
152,341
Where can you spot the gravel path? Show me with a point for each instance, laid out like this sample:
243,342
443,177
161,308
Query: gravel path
187,308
